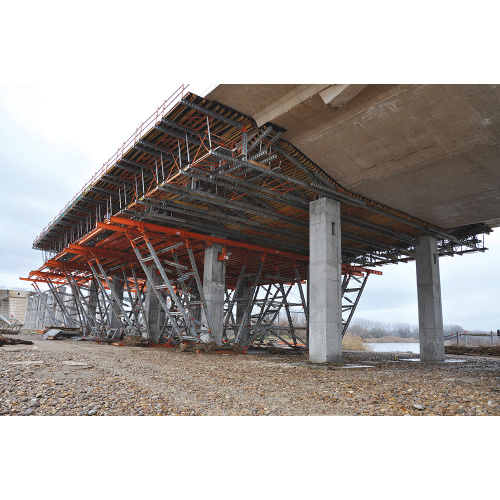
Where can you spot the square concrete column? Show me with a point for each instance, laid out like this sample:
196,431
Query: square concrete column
152,306
325,287
59,312
71,308
242,304
214,286
92,299
30,307
39,313
33,314
430,316
197,308
117,285
47,299
52,304
92,302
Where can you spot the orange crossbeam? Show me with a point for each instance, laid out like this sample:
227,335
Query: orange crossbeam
201,237
212,239
100,252
66,265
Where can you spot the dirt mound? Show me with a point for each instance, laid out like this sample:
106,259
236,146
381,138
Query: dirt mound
7,341
475,350
6,331
136,340
210,347
276,350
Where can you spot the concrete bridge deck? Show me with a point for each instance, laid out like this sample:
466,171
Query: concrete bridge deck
431,151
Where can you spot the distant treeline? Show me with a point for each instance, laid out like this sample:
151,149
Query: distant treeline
367,328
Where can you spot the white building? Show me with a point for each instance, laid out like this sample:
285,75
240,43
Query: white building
13,302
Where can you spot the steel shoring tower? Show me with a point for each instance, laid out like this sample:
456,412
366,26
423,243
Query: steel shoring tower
180,295
261,317
167,263
12,323
351,296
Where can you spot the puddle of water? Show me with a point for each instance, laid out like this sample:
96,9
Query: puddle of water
347,367
413,347
76,363
332,367
25,363
445,361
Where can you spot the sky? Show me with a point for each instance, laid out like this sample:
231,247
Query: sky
53,138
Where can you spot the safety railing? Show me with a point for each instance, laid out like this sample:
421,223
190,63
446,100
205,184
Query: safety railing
14,288
466,334
140,131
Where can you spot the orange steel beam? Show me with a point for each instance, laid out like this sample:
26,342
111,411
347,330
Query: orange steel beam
137,228
42,276
212,239
201,237
44,280
66,265
45,274
100,252
129,231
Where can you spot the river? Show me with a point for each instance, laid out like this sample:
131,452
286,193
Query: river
413,347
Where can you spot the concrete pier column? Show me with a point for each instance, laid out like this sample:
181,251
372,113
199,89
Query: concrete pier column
117,285
430,316
92,304
39,313
49,306
71,308
243,299
152,306
214,286
198,308
92,300
325,287
59,313
30,307
53,308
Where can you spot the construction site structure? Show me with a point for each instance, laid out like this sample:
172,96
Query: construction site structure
206,226
13,304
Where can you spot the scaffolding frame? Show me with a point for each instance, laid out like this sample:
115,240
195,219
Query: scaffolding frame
259,306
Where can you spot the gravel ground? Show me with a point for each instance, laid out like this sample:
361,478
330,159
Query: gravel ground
86,378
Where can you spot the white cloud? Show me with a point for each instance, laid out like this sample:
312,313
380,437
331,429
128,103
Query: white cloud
470,288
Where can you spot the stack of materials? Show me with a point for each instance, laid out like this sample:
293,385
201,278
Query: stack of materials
7,341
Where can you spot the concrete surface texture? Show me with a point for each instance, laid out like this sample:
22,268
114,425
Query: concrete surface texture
430,316
152,306
325,271
241,306
14,302
428,150
117,289
214,285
